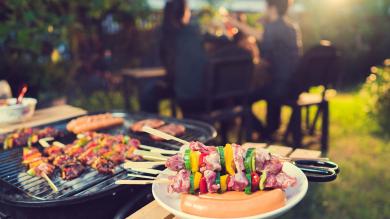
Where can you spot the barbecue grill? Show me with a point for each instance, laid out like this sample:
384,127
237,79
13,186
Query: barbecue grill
90,195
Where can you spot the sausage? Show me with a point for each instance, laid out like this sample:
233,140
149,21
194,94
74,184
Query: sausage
93,123
81,120
232,204
96,125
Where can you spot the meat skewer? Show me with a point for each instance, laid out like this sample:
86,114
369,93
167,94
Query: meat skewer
27,136
38,166
102,152
210,169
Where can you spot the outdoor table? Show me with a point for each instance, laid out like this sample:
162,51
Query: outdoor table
45,116
154,210
134,76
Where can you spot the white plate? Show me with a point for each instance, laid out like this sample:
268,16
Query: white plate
171,202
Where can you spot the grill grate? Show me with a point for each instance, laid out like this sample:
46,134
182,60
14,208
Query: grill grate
13,172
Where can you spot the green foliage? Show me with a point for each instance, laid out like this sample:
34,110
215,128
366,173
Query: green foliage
357,28
42,42
100,100
377,93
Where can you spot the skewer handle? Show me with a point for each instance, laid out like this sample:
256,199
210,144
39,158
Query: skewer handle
163,135
147,155
51,184
158,150
316,159
141,176
146,170
131,164
140,182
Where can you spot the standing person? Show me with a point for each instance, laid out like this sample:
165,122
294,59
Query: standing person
183,56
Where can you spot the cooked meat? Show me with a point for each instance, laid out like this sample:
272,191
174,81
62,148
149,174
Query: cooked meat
52,152
73,150
171,129
61,160
115,157
30,154
103,165
42,168
27,136
88,157
152,123
72,170
102,152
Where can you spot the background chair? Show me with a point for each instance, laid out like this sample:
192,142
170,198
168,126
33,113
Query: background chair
227,89
318,66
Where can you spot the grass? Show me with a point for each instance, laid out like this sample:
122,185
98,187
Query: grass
362,189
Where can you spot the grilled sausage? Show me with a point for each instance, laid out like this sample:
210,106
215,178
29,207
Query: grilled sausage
232,204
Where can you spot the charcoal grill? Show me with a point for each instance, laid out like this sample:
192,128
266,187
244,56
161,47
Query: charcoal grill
24,196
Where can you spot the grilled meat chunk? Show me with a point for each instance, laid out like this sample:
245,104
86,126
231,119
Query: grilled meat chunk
152,123
71,170
103,165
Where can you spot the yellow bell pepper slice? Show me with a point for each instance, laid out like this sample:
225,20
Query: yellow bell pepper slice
224,183
197,177
229,162
194,158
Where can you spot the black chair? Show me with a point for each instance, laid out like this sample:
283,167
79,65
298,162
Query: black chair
227,89
318,66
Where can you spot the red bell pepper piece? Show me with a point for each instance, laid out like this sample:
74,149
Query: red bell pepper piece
255,181
203,185
227,183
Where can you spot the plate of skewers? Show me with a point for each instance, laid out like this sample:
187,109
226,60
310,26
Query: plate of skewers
232,181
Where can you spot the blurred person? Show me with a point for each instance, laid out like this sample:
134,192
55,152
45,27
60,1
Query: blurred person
184,58
280,48
5,92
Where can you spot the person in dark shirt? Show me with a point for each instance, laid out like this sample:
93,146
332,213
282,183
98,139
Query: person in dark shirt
281,49
182,54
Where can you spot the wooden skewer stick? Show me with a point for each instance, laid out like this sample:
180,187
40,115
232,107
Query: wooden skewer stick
141,176
162,135
147,155
162,151
140,182
158,150
51,184
146,170
131,164
43,143
147,147
59,144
